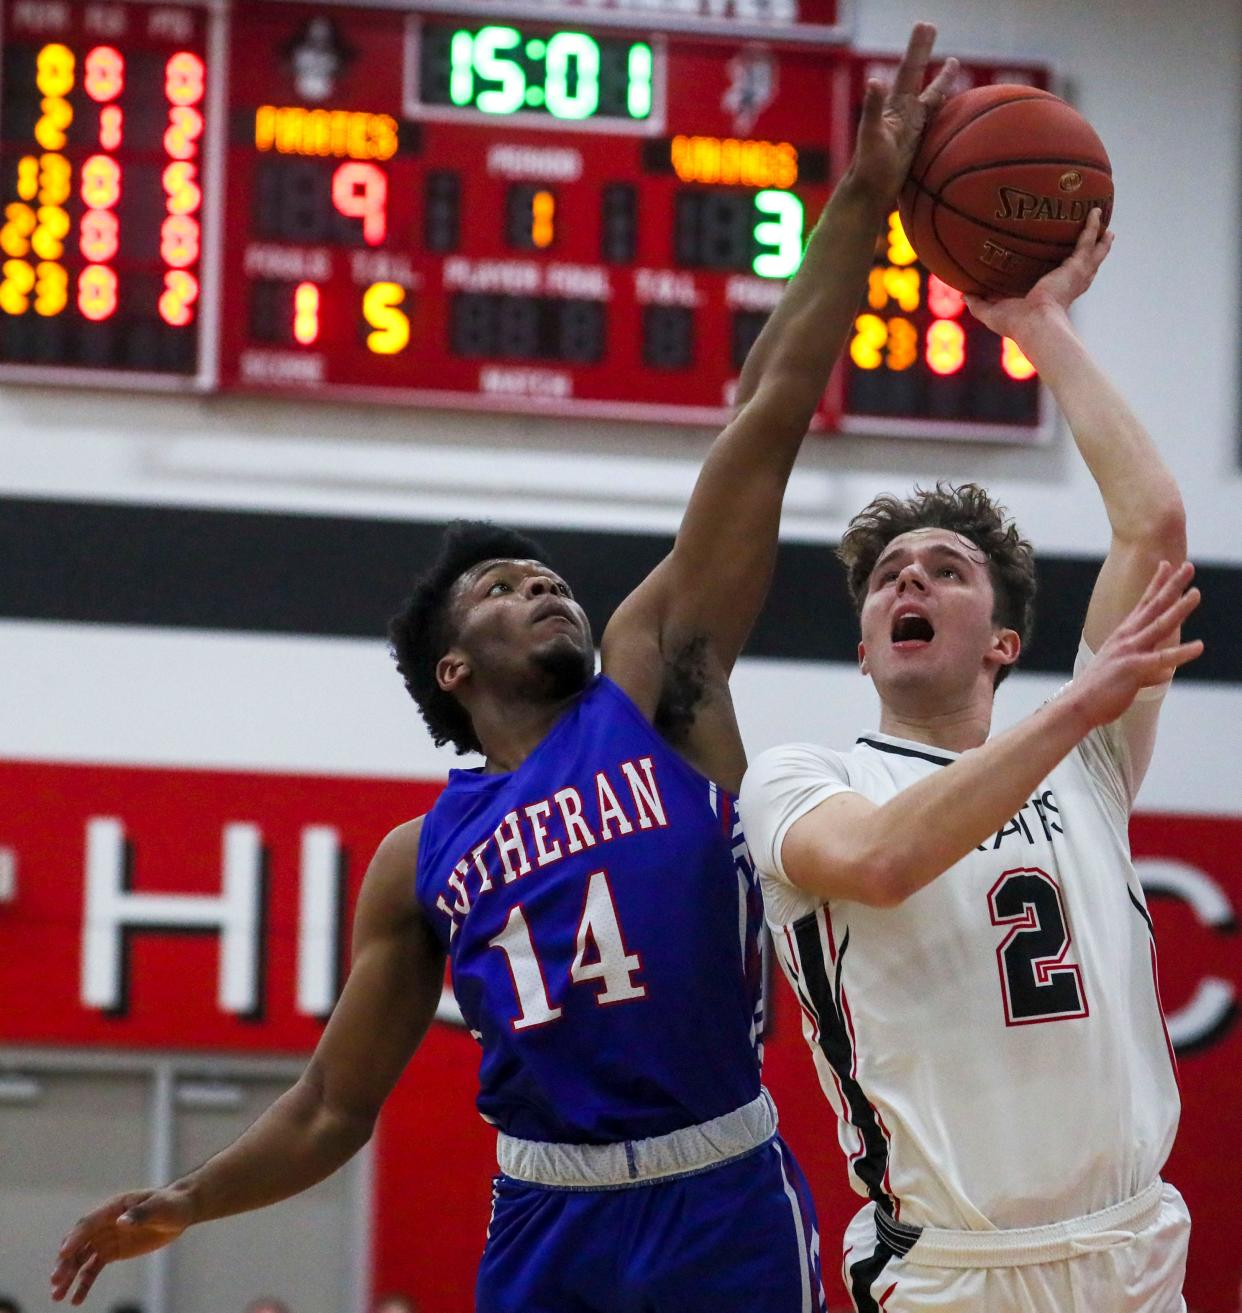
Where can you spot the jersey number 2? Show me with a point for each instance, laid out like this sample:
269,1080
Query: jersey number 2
599,955
1037,983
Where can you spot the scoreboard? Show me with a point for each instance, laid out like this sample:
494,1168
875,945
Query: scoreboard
551,207
102,134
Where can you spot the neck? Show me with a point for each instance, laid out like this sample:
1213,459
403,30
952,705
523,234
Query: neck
511,730
956,728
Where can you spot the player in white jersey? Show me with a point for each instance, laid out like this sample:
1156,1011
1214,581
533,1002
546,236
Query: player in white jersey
958,914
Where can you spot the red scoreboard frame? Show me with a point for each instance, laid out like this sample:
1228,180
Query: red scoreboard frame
536,207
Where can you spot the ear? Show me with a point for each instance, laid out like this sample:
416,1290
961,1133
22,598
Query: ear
1006,648
862,659
452,670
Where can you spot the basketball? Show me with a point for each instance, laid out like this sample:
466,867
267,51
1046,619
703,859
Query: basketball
1001,186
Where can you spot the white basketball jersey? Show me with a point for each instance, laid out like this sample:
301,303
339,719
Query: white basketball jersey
994,1047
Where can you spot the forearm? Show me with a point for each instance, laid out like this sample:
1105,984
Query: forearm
295,1144
726,546
804,335
923,831
1140,494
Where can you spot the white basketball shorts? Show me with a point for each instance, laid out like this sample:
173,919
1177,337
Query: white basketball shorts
1130,1258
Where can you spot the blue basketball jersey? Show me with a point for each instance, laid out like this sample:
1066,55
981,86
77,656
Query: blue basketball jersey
601,917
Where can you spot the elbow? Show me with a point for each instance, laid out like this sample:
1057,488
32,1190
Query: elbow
1168,526
873,878
1161,532
329,1121
886,885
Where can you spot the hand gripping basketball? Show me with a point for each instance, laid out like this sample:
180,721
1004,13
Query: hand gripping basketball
1059,289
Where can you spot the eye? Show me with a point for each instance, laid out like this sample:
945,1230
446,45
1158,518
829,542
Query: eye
498,587
563,590
949,571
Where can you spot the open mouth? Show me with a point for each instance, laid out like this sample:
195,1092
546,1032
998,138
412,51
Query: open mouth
912,631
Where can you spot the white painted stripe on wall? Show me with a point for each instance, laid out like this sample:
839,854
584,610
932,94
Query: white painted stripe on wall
135,696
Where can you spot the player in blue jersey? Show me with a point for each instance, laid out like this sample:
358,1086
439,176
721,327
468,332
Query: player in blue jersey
588,884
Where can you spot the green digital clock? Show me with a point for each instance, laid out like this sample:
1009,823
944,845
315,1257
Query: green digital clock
566,75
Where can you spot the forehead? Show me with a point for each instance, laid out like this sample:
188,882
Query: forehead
505,564
919,542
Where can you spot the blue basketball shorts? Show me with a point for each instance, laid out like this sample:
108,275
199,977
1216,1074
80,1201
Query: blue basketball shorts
739,1237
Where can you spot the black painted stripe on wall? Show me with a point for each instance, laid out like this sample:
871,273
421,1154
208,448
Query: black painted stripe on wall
260,572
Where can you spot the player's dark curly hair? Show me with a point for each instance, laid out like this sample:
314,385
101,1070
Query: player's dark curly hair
421,632
967,510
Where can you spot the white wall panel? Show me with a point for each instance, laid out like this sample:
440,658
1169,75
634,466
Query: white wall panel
92,693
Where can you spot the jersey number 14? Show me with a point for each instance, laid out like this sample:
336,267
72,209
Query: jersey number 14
600,955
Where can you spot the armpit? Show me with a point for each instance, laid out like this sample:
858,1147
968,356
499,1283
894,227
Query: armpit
686,687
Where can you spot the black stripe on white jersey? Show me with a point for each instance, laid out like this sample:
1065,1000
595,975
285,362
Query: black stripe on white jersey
824,997
1143,912
899,751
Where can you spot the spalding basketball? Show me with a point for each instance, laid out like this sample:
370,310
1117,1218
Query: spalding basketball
1001,186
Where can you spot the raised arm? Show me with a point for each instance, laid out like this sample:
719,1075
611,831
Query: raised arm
383,1013
1141,498
712,585
849,847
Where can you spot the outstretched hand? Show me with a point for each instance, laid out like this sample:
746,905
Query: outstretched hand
1135,655
126,1226
893,118
1058,289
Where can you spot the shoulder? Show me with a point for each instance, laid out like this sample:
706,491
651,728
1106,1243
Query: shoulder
400,845
388,887
793,763
782,785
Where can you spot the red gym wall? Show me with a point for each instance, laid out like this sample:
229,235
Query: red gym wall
435,1155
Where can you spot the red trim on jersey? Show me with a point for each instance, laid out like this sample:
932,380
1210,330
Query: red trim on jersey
832,939
793,953
885,1295
849,1025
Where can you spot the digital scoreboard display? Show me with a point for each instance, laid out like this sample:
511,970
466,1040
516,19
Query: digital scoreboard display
526,209
103,124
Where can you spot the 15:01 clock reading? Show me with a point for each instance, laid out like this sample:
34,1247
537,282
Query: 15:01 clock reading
559,76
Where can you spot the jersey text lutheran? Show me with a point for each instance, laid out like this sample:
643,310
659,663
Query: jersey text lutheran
543,832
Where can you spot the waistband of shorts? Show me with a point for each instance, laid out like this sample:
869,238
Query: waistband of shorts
634,1162
1115,1225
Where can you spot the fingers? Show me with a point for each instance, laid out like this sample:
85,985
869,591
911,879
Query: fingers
86,1278
83,1266
913,67
937,90
73,1256
1166,584
1170,620
1094,243
1090,233
1166,604
78,1256
872,106
1158,667
1173,658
